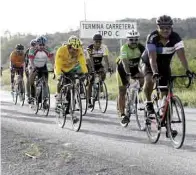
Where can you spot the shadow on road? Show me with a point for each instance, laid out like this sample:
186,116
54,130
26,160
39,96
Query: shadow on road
134,139
35,120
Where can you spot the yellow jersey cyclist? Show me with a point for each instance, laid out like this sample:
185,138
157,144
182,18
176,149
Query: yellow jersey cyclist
38,59
17,61
95,54
127,64
69,58
161,45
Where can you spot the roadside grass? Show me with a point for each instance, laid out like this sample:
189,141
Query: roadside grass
188,96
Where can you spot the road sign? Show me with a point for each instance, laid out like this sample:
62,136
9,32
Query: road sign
109,30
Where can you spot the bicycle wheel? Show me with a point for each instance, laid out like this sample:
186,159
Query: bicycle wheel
176,122
61,109
153,127
37,100
76,110
94,97
83,96
15,93
46,100
140,112
22,92
102,97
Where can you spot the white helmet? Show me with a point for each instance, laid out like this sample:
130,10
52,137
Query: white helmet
133,34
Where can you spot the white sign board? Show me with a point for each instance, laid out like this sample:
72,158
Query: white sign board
109,30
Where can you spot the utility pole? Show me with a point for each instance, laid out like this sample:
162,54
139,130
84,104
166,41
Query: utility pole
84,10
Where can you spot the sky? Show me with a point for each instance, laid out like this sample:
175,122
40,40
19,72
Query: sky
42,16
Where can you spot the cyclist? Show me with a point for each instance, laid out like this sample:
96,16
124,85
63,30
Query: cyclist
161,45
127,64
38,58
69,58
33,44
17,60
96,52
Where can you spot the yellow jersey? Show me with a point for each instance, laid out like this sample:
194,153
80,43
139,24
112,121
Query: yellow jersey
66,62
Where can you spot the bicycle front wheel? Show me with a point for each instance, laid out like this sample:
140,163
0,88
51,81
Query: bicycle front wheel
61,109
140,112
15,93
153,127
176,123
102,97
76,110
46,100
83,96
22,93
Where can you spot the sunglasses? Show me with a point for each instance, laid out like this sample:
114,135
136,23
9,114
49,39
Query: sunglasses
165,28
98,41
135,39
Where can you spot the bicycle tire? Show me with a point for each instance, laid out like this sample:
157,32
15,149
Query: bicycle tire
73,109
15,93
105,95
94,93
84,99
62,113
46,111
22,93
153,139
175,100
142,127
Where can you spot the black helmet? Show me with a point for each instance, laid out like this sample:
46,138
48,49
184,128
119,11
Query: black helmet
19,47
164,20
97,37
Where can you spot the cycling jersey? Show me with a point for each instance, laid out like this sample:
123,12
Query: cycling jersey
164,52
40,57
64,61
97,55
133,55
16,59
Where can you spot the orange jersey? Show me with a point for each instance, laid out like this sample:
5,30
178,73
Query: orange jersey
16,59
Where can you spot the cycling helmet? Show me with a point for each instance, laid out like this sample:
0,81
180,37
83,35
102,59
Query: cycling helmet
133,34
97,37
41,40
74,42
19,47
164,20
33,42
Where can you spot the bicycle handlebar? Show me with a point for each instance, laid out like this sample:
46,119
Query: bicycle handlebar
171,79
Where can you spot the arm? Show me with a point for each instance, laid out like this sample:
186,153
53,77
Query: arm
89,60
153,61
152,54
125,63
182,57
82,62
181,54
58,61
124,58
31,57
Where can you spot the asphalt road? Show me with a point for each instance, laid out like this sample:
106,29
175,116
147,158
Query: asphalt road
101,147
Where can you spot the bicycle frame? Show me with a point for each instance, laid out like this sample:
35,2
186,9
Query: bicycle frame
169,94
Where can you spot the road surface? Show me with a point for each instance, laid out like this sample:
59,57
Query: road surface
102,147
